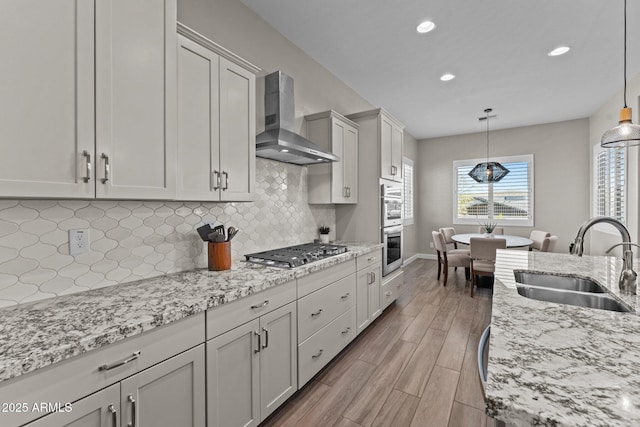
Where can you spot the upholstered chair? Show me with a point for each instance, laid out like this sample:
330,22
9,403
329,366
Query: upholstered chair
549,244
538,236
483,256
448,258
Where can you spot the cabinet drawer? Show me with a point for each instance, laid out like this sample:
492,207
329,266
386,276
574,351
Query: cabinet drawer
320,279
80,376
324,345
228,316
319,308
365,260
391,288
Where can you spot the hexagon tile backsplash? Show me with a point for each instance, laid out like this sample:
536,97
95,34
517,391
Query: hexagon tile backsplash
132,240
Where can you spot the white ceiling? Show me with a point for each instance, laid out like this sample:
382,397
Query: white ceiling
497,48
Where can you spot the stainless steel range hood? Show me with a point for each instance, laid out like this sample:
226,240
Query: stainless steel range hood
279,141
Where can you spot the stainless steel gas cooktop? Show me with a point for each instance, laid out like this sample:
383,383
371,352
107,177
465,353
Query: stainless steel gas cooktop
294,256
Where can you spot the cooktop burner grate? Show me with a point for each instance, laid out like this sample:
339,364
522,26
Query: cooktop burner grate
294,256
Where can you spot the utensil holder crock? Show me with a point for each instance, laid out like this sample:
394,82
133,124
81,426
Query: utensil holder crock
219,256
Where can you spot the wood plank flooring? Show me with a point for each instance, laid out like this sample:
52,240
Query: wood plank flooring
416,365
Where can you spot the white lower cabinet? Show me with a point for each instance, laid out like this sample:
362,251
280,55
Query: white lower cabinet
252,369
391,288
170,393
368,305
101,409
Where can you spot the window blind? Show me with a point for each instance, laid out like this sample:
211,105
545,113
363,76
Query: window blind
610,183
407,173
508,202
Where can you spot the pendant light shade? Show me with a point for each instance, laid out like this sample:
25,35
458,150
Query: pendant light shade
487,172
626,134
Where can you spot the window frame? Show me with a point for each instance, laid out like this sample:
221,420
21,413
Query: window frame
605,228
408,219
524,222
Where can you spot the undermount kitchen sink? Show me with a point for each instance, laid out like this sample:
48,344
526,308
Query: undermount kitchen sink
600,301
568,283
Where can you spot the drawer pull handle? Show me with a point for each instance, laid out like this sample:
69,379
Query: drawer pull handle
114,415
388,294
346,331
226,180
266,302
259,340
133,411
371,259
345,296
317,313
315,356
266,338
109,366
398,285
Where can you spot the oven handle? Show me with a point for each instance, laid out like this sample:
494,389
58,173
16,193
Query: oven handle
393,229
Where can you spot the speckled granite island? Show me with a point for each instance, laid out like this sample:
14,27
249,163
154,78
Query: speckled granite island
39,334
561,365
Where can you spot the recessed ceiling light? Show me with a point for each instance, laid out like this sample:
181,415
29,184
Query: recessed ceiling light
561,50
447,76
425,27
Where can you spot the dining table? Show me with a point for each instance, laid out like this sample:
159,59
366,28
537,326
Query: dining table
512,241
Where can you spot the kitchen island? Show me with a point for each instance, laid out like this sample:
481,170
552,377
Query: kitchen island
562,365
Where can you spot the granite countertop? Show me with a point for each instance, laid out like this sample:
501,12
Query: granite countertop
38,334
560,365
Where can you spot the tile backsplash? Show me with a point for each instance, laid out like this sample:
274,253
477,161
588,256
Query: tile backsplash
132,240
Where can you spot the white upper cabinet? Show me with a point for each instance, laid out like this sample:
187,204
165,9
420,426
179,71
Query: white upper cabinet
390,148
336,182
216,121
135,99
46,97
76,130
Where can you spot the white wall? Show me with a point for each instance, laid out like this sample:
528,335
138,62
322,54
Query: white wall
561,177
603,119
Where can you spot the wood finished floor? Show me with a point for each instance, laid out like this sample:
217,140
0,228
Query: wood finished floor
416,365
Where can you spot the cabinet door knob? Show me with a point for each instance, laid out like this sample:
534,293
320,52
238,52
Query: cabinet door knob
87,155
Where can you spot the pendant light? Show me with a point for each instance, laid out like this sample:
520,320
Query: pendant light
488,171
626,134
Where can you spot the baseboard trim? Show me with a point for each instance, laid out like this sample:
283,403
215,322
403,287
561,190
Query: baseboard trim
419,256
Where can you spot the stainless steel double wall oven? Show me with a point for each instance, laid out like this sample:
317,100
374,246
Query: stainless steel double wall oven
391,203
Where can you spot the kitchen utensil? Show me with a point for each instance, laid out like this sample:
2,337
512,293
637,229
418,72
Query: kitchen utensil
204,231
216,236
219,229
231,232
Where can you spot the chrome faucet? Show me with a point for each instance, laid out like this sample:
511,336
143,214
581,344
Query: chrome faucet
627,280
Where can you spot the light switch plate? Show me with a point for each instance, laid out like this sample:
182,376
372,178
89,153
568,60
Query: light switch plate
78,242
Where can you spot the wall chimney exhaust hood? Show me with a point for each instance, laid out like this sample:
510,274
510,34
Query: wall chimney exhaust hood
279,141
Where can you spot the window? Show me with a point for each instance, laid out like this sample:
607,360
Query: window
407,190
609,186
508,202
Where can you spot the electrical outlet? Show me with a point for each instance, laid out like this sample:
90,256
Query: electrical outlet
78,242
431,245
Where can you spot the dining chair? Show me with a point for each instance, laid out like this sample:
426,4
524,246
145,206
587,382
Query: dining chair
537,237
549,244
449,258
497,230
483,256
448,232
